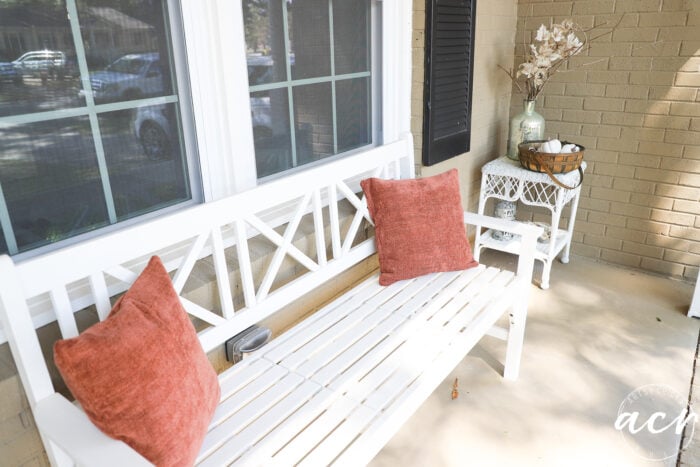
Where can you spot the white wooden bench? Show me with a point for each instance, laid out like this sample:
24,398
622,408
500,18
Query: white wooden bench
336,387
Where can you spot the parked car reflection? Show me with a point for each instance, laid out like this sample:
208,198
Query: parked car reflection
154,128
42,64
262,69
9,74
130,77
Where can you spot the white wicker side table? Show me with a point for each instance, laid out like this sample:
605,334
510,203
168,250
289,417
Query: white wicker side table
505,179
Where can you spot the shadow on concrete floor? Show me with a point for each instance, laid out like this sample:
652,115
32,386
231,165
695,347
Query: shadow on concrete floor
595,336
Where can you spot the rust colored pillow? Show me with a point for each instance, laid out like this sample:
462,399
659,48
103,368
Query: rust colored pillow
141,375
419,226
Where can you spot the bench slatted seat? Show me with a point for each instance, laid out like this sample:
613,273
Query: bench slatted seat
335,387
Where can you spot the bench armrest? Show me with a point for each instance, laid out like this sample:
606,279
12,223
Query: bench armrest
69,428
528,235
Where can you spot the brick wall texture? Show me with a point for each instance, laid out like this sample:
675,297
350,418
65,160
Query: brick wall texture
632,100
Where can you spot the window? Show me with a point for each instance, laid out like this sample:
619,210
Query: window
91,134
309,72
112,111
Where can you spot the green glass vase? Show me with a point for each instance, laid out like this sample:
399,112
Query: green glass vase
528,125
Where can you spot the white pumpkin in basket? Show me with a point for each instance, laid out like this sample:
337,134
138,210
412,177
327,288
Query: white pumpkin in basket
553,146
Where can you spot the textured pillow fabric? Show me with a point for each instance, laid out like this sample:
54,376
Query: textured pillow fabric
141,375
419,226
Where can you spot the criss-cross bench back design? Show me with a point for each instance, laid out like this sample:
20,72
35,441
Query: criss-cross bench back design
336,386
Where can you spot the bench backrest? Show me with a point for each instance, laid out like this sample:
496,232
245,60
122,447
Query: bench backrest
56,285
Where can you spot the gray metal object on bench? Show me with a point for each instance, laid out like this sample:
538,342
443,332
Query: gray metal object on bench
334,388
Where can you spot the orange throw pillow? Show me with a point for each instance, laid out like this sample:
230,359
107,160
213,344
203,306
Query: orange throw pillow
419,226
141,375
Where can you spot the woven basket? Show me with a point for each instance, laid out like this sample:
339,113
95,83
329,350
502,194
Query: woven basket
551,163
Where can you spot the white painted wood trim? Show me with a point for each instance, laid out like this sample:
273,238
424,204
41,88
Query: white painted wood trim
694,311
101,294
215,43
244,261
334,220
319,228
63,311
222,274
16,320
69,427
397,21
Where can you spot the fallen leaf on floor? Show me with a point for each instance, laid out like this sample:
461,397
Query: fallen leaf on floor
658,319
455,390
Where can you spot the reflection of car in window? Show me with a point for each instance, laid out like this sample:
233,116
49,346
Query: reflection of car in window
261,69
42,63
132,76
9,74
260,113
153,126
154,131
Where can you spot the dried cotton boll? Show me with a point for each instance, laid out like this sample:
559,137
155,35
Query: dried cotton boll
568,148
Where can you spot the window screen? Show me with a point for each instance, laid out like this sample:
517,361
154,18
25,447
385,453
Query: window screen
310,79
90,131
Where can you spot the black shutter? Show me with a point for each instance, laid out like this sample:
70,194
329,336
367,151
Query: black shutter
447,95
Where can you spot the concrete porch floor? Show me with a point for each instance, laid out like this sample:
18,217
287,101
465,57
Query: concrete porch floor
596,335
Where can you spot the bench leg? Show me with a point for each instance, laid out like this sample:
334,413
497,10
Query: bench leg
516,335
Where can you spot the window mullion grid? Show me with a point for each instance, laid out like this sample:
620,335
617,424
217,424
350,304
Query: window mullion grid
6,226
333,98
90,102
305,81
370,94
35,117
165,10
290,92
102,166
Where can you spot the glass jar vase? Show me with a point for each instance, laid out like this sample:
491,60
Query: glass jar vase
528,125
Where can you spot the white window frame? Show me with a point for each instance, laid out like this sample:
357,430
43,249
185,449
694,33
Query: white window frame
218,122
190,139
217,63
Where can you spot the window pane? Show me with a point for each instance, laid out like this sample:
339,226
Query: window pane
81,166
38,70
309,38
270,114
354,113
351,31
126,49
144,159
264,36
51,182
314,116
330,112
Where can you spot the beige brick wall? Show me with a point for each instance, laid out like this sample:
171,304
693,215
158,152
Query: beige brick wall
633,101
495,35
